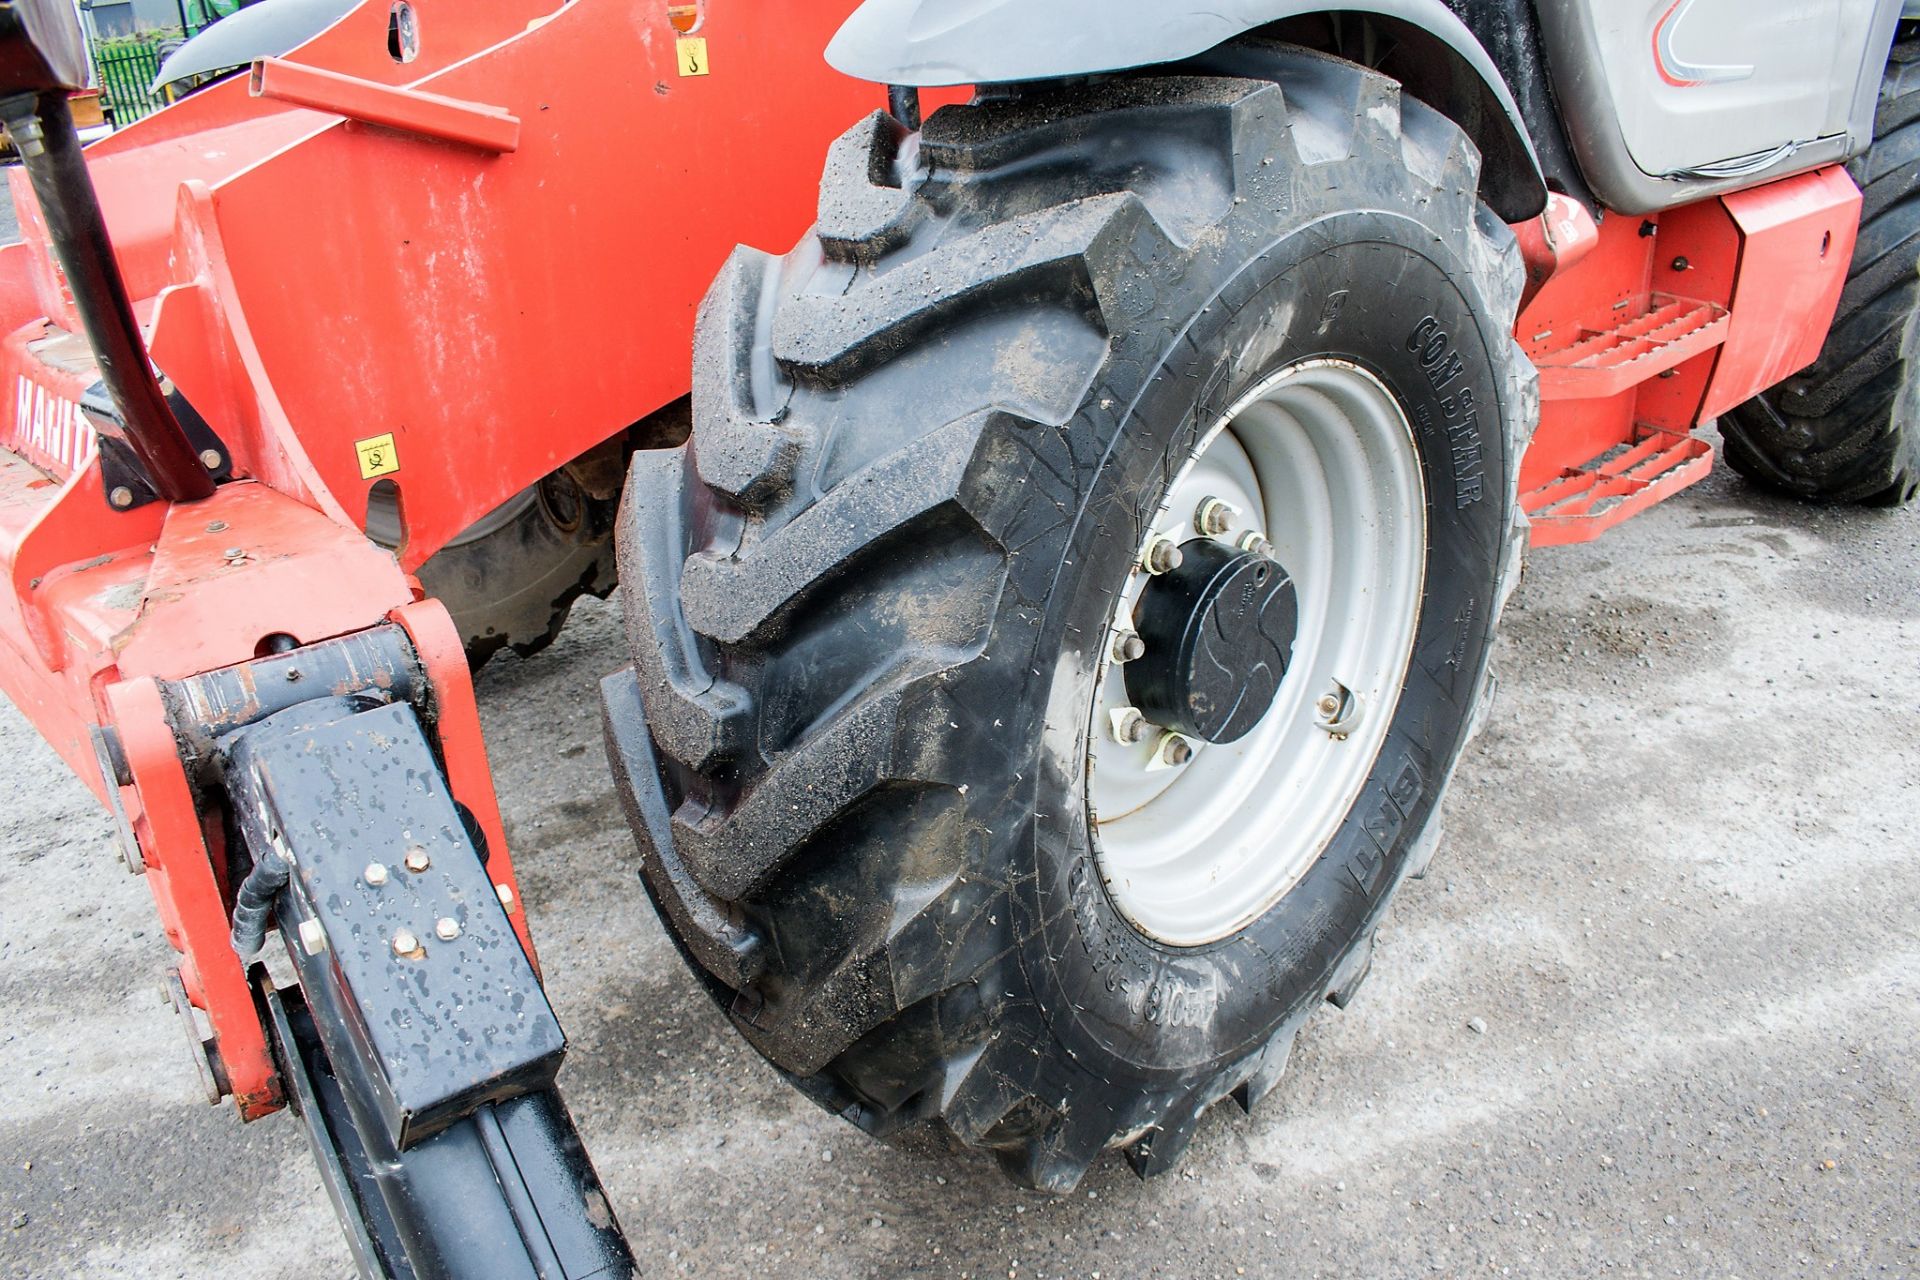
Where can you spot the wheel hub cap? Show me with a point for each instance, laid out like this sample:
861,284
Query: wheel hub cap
1218,634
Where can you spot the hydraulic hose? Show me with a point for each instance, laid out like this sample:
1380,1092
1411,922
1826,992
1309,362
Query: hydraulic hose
42,129
253,904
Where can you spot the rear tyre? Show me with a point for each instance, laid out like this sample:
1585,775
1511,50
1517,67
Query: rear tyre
1847,429
873,605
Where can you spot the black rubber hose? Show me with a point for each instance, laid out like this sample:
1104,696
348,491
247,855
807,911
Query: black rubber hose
43,132
253,905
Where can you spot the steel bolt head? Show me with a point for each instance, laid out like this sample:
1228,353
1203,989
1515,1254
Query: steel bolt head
1161,555
235,553
121,496
1255,542
404,943
1339,710
417,859
210,459
1214,517
1127,646
505,894
313,939
1174,749
446,928
375,874
217,526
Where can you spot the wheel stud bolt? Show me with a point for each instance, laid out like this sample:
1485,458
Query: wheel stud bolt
1255,542
1129,726
1127,645
1173,749
1338,710
1160,555
1214,517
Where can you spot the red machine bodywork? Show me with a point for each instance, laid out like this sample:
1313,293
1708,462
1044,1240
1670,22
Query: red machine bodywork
344,248
1643,328
469,268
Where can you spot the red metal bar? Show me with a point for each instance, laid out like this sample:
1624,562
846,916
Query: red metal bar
429,115
437,642
188,894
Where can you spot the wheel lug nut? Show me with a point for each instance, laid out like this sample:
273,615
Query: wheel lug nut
1214,517
1129,726
1173,749
1339,710
1161,555
1127,645
1255,542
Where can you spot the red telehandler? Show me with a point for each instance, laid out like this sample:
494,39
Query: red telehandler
1059,594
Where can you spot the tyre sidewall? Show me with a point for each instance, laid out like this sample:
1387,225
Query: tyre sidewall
1381,291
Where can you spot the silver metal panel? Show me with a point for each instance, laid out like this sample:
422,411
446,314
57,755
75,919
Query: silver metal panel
1667,101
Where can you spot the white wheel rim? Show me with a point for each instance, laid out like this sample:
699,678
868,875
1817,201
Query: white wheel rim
1320,459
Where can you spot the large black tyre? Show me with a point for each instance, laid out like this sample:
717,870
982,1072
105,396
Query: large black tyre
1847,428
864,601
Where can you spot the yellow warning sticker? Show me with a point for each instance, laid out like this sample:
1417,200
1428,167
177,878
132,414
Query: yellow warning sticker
377,456
693,55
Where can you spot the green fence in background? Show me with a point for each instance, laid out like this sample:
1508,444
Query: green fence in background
127,67
128,64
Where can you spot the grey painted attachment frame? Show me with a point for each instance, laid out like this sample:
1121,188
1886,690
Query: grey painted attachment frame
947,42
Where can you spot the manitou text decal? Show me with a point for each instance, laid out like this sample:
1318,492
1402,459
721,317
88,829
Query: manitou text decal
50,429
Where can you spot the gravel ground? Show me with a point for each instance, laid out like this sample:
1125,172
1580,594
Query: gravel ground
1657,1010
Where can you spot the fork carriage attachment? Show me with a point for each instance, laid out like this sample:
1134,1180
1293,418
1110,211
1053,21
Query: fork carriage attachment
335,786
417,1045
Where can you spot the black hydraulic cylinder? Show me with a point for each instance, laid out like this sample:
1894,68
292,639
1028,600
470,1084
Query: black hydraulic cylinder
42,129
